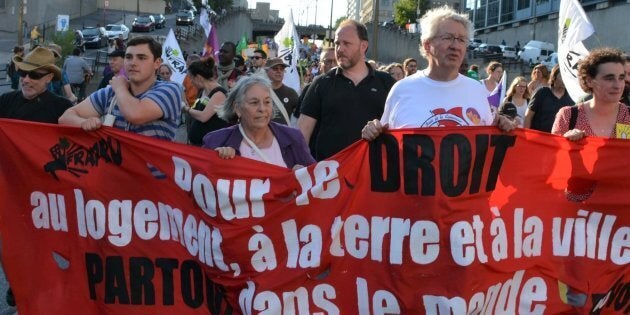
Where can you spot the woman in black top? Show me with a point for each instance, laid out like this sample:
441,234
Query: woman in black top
210,99
546,103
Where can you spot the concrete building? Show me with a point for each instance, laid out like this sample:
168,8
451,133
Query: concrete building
240,3
263,12
39,12
385,10
354,9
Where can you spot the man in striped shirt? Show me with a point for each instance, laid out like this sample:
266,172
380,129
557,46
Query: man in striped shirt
139,104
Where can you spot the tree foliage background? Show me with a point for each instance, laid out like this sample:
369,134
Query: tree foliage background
405,11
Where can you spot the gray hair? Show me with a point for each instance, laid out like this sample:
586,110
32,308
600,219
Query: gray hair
430,21
236,97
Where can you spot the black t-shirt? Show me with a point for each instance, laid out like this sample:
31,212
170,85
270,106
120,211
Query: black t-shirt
289,99
545,106
46,107
342,109
198,129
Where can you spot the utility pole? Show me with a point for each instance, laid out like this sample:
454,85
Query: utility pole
21,9
137,7
330,35
375,14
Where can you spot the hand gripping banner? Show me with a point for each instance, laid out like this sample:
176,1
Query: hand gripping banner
425,221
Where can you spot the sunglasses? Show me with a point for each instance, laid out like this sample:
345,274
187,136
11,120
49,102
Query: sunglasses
32,74
255,57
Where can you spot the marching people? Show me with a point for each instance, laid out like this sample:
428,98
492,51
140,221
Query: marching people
12,70
344,98
396,71
228,73
601,74
77,70
518,94
546,103
139,104
413,102
494,70
33,101
255,136
284,98
116,62
410,65
257,60
203,110
540,78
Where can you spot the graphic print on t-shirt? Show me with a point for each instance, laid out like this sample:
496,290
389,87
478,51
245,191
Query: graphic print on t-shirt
446,118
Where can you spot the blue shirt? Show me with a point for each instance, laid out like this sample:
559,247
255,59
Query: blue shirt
165,94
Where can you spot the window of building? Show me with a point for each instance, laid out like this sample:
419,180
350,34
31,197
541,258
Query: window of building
523,4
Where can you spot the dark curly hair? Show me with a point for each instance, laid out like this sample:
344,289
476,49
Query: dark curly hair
588,66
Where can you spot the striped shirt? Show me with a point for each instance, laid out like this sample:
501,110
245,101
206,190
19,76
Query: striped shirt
165,94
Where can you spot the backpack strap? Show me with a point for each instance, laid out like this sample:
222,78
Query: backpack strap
573,118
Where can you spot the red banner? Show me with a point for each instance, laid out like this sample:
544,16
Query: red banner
426,221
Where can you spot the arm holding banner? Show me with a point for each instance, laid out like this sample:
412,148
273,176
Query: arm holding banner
82,115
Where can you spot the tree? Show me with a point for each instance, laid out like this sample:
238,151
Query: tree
406,11
216,5
338,21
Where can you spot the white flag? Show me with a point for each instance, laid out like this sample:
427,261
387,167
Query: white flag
573,28
172,55
288,49
204,21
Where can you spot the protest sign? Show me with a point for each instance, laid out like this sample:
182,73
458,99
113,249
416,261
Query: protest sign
426,221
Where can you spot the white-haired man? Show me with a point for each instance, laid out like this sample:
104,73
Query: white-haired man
439,95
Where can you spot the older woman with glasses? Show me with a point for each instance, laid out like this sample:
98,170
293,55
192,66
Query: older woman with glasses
518,94
255,136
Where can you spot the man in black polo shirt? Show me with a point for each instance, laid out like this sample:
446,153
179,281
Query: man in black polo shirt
346,97
33,102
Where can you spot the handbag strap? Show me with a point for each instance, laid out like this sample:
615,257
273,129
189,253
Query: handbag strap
253,145
280,106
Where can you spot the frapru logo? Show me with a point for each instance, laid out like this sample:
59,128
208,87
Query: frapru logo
615,301
76,159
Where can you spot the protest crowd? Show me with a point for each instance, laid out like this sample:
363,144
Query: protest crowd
236,100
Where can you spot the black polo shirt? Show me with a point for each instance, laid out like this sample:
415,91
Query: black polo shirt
342,109
46,107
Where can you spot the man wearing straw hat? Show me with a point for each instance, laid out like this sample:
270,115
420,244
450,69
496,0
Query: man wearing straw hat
139,104
33,101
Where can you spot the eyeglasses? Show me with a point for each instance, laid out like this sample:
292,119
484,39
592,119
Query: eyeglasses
327,62
255,57
522,86
450,38
32,74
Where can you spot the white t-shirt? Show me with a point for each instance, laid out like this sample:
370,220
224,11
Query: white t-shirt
418,101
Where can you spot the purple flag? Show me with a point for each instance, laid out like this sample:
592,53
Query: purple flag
497,96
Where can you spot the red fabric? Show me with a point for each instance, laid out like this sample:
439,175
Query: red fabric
446,201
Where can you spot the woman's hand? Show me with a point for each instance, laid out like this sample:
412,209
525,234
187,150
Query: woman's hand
226,153
372,130
574,134
505,123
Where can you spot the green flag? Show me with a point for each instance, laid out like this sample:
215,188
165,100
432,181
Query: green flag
242,44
